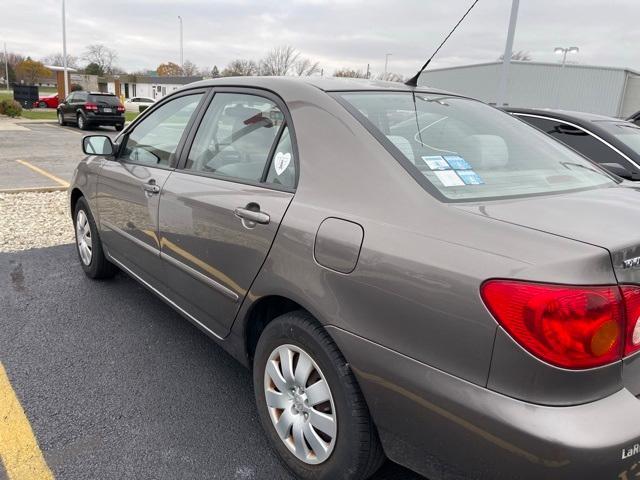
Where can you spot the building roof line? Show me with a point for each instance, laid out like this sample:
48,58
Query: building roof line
550,64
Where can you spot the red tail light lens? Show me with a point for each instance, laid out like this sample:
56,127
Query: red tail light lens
567,326
631,297
90,106
120,108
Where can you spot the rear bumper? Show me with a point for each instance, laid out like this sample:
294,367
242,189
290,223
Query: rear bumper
94,119
447,428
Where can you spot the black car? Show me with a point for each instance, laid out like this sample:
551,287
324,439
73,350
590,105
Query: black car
611,142
88,109
635,118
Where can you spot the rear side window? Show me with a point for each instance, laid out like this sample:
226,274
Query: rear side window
464,150
109,100
236,139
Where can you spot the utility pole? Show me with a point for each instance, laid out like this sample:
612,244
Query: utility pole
508,51
6,65
368,71
181,46
64,50
386,64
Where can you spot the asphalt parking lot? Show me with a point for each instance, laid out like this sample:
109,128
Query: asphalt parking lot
114,383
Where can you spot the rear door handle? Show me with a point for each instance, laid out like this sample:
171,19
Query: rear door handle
252,215
151,187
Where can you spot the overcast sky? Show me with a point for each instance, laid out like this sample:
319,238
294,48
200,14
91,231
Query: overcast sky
338,33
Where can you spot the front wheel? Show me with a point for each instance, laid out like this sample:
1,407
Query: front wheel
310,404
88,244
42,105
61,121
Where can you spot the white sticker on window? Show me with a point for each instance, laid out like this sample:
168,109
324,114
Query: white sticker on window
281,162
436,162
449,178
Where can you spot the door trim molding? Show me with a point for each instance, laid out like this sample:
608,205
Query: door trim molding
130,237
164,297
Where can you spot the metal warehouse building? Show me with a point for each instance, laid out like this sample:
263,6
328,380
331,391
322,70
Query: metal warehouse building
604,90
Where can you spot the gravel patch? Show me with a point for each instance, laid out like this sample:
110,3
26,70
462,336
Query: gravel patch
34,220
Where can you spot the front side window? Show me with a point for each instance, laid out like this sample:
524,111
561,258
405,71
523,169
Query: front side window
155,139
626,132
236,137
467,150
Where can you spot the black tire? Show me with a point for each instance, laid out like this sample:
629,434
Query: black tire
82,122
42,105
119,128
357,452
99,267
61,121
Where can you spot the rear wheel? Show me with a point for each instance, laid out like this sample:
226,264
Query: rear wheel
88,244
310,405
42,105
119,128
82,122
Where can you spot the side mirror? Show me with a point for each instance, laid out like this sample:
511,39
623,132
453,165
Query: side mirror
619,170
97,145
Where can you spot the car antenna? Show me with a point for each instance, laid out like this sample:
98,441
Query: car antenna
413,81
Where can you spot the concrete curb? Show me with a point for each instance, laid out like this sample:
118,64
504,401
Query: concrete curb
34,189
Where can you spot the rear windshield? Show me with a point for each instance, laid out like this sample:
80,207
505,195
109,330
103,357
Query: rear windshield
626,132
466,150
111,100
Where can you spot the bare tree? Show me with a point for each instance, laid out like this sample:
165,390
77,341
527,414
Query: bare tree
279,61
101,55
189,68
349,73
305,67
391,77
240,68
57,59
520,55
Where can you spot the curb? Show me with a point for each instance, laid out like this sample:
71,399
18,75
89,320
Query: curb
34,189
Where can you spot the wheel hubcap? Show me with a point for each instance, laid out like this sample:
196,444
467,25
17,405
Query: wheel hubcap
83,237
300,404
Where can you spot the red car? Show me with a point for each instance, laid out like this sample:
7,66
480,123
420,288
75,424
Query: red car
47,101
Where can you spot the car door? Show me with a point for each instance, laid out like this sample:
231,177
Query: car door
67,107
128,188
220,211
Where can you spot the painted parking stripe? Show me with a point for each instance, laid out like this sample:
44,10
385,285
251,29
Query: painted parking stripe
19,451
44,172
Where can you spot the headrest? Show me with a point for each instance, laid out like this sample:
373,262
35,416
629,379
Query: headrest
489,151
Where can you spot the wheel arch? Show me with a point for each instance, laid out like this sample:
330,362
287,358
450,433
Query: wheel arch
74,196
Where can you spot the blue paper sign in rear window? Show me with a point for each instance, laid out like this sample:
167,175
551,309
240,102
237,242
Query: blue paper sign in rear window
469,177
457,163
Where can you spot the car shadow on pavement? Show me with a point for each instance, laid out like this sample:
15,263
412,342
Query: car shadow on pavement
118,385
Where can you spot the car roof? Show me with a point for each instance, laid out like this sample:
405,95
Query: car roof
327,84
569,115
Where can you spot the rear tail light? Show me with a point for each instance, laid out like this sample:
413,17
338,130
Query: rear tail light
91,106
120,108
572,327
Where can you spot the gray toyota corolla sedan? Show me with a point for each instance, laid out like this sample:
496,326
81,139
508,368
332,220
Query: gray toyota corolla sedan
409,273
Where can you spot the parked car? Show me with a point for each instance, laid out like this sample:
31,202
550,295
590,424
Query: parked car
458,292
47,101
134,104
635,118
611,142
91,109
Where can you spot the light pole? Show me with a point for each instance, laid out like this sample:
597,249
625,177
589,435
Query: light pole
508,51
6,65
386,64
564,51
64,51
181,46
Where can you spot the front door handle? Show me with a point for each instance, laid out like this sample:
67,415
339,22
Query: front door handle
252,215
151,187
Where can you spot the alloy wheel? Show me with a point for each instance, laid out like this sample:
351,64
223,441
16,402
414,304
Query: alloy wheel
300,404
83,237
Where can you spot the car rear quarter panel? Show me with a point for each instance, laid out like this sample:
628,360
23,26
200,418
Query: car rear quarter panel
415,288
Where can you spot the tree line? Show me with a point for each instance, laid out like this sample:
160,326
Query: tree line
98,59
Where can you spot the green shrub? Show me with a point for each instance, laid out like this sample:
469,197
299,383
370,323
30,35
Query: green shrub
10,108
76,87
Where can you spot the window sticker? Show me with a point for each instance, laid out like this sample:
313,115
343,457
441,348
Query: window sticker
449,178
469,177
457,162
436,162
281,162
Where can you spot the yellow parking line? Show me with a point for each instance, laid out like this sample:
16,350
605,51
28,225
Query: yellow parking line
19,449
43,172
